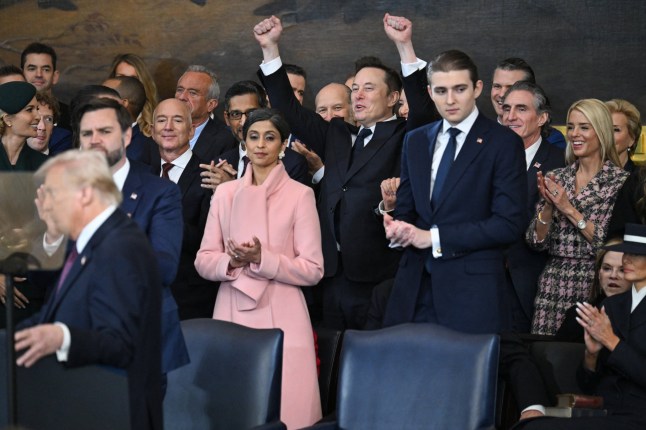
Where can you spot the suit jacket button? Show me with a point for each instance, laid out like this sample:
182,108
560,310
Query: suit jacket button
344,189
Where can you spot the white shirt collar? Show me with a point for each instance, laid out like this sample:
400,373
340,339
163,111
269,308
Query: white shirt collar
465,125
91,228
182,160
119,177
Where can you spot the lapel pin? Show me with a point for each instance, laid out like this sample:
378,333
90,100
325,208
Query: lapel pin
479,140
83,260
133,196
129,215
537,165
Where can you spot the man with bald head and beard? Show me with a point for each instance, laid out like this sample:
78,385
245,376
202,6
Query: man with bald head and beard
172,131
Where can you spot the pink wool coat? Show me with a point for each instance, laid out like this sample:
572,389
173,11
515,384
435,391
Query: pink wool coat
281,213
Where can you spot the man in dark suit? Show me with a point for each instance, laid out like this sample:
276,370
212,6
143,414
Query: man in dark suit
240,100
154,204
454,213
356,254
133,98
198,87
39,64
176,162
508,72
105,308
526,110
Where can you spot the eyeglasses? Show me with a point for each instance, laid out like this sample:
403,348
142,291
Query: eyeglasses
236,114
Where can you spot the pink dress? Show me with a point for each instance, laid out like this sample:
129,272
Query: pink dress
281,213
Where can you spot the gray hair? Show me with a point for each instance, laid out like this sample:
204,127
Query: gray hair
214,88
85,168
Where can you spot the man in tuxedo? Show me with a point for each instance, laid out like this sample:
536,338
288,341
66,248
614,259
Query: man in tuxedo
175,161
461,199
240,100
356,254
198,87
133,98
105,308
154,204
526,111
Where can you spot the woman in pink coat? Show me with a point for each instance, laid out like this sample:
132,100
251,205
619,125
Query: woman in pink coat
262,241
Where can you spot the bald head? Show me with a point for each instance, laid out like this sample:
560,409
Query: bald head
333,101
172,128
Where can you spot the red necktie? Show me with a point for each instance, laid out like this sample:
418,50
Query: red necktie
165,169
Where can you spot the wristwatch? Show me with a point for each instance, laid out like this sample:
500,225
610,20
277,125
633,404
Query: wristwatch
582,224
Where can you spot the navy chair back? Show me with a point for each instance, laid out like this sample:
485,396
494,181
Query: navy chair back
232,382
417,376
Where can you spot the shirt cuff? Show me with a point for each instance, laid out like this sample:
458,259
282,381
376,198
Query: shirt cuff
539,408
410,68
435,241
51,248
318,175
63,351
271,66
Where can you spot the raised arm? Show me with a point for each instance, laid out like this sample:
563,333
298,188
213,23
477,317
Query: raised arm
422,109
267,32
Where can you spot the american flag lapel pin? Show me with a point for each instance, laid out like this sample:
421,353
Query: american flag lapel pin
479,141
133,196
537,165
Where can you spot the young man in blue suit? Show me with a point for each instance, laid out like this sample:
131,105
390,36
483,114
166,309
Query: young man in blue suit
106,306
461,200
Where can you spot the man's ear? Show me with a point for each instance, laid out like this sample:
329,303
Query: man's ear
127,137
211,105
393,98
55,77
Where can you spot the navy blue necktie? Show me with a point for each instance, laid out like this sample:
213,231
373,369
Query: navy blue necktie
445,165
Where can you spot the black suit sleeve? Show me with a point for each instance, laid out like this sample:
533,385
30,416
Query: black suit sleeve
625,210
305,124
422,109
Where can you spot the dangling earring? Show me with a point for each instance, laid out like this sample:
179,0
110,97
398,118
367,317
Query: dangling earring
281,155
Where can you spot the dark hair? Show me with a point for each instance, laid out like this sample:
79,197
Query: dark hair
515,63
452,60
272,115
95,104
37,48
84,95
241,88
392,79
48,100
597,294
541,101
293,69
9,70
132,89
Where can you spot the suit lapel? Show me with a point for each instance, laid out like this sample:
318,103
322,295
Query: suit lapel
189,174
619,312
383,132
343,150
474,143
80,264
638,316
131,192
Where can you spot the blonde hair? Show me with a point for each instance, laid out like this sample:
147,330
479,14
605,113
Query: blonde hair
83,169
145,121
632,115
598,114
